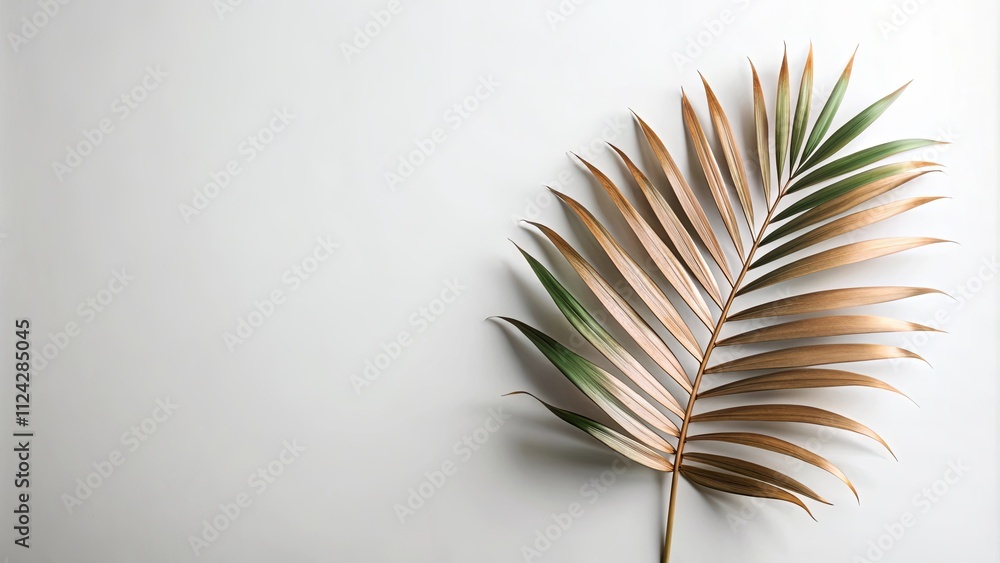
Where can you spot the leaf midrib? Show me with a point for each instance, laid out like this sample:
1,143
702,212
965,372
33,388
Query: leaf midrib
682,439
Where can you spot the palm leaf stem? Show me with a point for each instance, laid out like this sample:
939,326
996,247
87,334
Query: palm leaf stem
668,534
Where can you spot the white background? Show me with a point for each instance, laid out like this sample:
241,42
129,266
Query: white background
560,85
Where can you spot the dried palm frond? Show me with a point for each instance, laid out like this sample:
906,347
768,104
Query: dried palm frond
649,423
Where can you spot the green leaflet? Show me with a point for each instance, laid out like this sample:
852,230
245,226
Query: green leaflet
609,437
847,201
802,107
829,110
614,397
599,337
855,161
843,186
850,130
782,115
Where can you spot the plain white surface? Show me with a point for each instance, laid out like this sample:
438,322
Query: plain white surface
555,85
